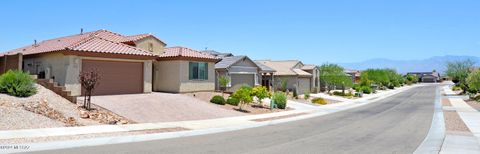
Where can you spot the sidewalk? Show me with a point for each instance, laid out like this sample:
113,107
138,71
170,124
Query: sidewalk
190,128
461,142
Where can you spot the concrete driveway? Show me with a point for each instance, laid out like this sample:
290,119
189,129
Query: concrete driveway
161,107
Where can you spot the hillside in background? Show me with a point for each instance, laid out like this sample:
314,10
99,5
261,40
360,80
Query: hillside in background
403,66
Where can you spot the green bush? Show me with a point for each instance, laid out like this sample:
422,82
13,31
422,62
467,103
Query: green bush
456,88
17,83
356,87
233,101
280,99
366,90
218,100
319,100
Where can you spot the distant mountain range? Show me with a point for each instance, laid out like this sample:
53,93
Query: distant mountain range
437,63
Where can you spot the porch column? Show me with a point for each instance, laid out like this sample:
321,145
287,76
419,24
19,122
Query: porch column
273,82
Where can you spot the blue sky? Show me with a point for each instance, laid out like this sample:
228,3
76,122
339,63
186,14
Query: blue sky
311,31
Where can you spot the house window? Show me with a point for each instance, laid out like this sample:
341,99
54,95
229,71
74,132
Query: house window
198,71
150,47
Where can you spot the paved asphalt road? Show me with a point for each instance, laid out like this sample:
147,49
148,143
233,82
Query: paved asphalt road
397,124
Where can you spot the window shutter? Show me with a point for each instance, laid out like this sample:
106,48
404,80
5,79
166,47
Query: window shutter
190,71
206,71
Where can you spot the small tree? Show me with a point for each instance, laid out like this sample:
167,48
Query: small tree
282,84
244,95
334,75
89,81
473,81
261,93
458,71
223,81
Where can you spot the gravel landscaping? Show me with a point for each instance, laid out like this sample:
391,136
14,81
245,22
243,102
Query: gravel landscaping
253,109
309,101
474,104
20,113
446,102
453,122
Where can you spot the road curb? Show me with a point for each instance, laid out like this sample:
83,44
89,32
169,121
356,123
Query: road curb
434,140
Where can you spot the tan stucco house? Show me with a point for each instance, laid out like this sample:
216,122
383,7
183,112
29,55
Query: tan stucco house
241,70
127,64
299,77
182,70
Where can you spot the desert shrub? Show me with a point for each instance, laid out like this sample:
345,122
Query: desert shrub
244,95
456,88
391,86
295,95
338,93
280,99
356,87
218,100
319,100
366,90
233,101
17,83
261,93
306,94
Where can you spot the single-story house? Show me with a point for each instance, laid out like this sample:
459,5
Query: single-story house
354,74
294,74
241,70
182,70
126,64
427,77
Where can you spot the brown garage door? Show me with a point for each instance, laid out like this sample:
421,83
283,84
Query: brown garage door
238,80
116,77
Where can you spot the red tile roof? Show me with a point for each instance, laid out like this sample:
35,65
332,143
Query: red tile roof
185,52
101,41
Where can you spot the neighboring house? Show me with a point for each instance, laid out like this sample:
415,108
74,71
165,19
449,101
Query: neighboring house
181,70
292,72
427,77
354,74
124,62
315,81
241,70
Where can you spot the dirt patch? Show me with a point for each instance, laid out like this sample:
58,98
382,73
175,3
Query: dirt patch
453,122
278,117
88,136
446,102
474,104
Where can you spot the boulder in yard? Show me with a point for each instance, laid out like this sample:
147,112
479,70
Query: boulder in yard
84,114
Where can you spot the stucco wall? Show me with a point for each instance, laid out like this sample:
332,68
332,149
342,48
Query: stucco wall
54,65
65,69
158,46
187,85
172,76
166,76
291,81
